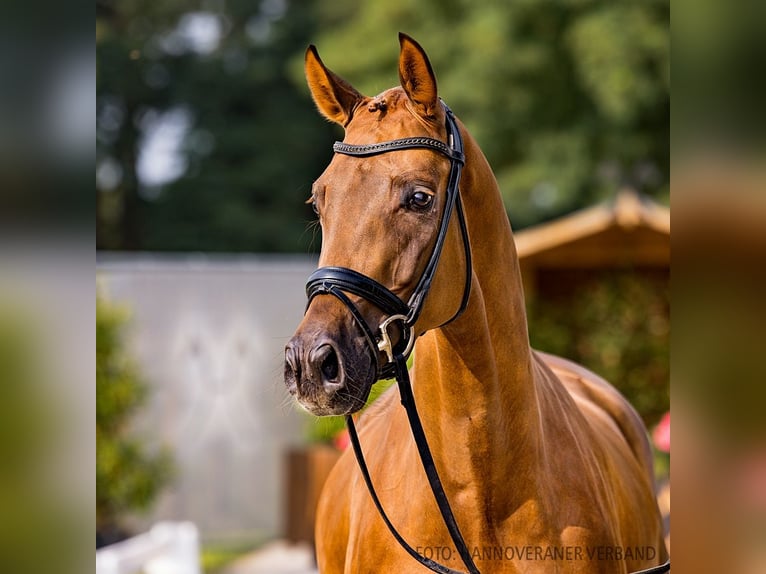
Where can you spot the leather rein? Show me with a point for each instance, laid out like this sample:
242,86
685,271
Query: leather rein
337,281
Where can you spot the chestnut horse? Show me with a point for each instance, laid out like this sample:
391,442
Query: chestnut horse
546,467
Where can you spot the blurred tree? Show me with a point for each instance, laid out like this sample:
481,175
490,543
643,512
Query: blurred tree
128,477
715,51
616,323
568,99
37,506
203,141
207,139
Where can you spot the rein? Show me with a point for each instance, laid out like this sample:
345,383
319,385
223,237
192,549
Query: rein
337,281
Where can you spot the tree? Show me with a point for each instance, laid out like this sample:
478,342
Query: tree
213,83
128,476
569,99
617,323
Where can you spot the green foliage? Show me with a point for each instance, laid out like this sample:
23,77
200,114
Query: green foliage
616,323
24,412
716,50
325,429
569,100
34,500
252,144
128,476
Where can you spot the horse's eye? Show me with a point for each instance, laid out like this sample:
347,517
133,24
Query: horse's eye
420,200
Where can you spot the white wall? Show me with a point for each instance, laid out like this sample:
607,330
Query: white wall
209,334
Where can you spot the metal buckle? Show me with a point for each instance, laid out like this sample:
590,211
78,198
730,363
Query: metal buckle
385,344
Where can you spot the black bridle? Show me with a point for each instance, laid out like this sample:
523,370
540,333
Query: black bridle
337,281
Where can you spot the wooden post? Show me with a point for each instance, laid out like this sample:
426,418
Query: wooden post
307,470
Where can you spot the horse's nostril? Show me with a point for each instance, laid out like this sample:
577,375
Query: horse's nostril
329,364
292,369
291,360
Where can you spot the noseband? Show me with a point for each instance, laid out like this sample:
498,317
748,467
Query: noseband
338,281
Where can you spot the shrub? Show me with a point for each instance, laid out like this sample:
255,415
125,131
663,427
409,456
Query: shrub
616,323
129,476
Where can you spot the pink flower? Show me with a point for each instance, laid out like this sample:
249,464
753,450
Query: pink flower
661,433
341,440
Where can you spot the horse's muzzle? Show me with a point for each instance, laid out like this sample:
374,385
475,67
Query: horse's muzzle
319,365
328,375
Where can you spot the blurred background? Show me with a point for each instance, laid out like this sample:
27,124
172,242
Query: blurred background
207,139
207,143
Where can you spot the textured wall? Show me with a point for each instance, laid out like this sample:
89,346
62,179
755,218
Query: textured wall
209,334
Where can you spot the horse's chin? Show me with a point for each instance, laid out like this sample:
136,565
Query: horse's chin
339,404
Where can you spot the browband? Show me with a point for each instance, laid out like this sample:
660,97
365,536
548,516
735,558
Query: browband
393,145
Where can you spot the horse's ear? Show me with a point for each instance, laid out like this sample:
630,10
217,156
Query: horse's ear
417,76
334,96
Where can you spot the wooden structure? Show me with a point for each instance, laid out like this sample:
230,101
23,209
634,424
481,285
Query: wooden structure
632,232
306,471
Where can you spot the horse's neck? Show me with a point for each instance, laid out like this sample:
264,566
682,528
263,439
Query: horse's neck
473,378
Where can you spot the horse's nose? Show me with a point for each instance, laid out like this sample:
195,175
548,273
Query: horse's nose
316,364
324,361
292,367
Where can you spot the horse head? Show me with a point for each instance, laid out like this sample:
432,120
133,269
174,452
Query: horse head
380,216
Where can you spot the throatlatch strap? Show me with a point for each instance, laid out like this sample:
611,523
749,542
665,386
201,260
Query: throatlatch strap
405,391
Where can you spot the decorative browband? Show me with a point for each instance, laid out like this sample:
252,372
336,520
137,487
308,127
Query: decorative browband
393,145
